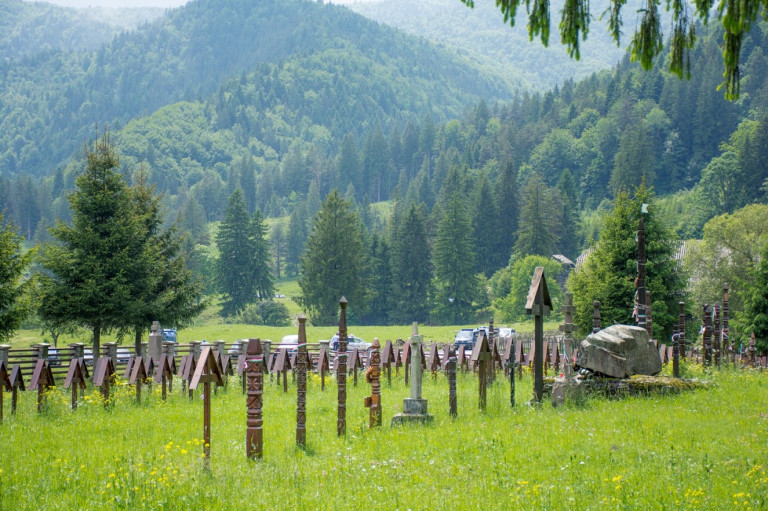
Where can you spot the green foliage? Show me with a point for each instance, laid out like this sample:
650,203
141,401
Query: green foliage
729,252
89,271
334,264
264,312
456,287
411,268
519,274
14,287
754,319
242,270
537,226
609,272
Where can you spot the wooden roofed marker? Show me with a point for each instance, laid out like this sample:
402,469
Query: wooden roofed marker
5,385
539,304
102,376
387,357
42,379
164,373
206,372
323,366
17,383
481,354
139,374
75,379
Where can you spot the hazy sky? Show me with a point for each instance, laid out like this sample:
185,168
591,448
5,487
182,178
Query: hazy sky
118,3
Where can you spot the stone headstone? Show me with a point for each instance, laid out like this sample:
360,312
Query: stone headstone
414,408
619,351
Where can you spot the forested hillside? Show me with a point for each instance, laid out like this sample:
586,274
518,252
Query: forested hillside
27,29
478,32
420,144
51,103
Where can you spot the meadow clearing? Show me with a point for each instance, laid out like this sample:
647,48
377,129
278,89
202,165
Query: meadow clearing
704,449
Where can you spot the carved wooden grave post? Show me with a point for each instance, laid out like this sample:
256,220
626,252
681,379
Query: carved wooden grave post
509,367
539,304
725,335
255,376
716,334
74,379
206,372
649,315
452,403
341,371
373,376
681,327
301,384
481,355
752,350
595,316
640,281
707,337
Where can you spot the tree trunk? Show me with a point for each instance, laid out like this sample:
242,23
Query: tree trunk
96,342
137,340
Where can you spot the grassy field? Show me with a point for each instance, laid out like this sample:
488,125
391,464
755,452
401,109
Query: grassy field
701,450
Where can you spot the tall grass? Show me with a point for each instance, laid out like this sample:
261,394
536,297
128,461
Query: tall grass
700,450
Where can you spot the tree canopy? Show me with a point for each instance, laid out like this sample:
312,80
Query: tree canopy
647,41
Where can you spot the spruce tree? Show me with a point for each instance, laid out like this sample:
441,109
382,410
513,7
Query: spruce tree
455,282
14,290
242,270
536,233
295,239
381,282
485,222
507,203
334,263
609,273
411,268
90,268
568,208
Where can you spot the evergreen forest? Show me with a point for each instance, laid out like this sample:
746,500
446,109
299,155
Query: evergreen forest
452,166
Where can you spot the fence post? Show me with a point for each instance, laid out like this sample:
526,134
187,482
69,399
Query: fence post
4,349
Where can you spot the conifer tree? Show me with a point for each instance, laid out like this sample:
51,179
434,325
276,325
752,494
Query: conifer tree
411,268
485,222
507,204
14,290
754,318
381,282
455,282
242,270
609,273
335,263
89,270
536,227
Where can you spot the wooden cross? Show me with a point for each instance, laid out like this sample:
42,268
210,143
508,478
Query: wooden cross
206,372
539,304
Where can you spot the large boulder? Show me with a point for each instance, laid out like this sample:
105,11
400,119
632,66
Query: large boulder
619,351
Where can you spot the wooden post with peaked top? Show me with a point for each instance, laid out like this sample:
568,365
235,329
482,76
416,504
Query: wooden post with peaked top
341,371
373,376
74,380
707,337
481,354
206,372
681,328
42,380
595,317
5,384
254,372
452,404
648,315
301,384
716,333
387,357
539,304
725,336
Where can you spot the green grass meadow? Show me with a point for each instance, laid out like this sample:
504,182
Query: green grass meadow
705,449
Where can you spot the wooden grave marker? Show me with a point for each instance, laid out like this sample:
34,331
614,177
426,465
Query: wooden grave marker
433,361
373,376
254,372
341,371
164,373
5,385
301,383
187,369
539,304
75,379
139,374
481,354
323,366
102,376
42,379
387,357
281,365
355,363
206,372
17,383
451,368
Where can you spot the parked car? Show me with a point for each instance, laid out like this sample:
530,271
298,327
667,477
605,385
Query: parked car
169,334
465,339
123,355
352,343
54,359
88,356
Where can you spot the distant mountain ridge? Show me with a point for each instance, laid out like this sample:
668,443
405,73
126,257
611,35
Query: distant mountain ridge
188,54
